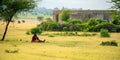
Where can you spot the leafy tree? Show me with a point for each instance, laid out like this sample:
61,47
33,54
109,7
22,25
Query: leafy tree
36,31
116,4
9,8
116,16
116,20
65,15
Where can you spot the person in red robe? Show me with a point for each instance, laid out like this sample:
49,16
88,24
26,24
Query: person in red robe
36,39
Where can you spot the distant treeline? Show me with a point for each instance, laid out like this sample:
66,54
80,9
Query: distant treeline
38,11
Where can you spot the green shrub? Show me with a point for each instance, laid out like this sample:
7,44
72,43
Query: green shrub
92,22
65,29
116,20
11,51
40,18
92,25
50,26
74,22
109,43
36,30
107,26
28,32
64,15
85,34
70,34
104,33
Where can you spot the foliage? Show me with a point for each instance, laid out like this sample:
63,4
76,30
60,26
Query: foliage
10,8
109,43
36,30
65,29
50,26
11,51
28,33
65,15
93,25
116,16
40,18
104,33
87,34
116,4
109,26
116,20
74,21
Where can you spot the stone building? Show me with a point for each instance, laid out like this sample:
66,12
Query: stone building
85,14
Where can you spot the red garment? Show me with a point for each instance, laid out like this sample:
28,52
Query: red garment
35,38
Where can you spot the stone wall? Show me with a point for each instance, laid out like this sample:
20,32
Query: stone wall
85,14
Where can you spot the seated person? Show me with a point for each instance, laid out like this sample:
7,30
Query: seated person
36,39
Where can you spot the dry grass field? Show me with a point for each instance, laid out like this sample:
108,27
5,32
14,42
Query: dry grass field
55,48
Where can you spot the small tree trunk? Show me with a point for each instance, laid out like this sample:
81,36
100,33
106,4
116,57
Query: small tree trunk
6,28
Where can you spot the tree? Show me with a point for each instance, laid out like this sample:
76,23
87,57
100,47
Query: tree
116,4
116,20
65,15
116,16
10,8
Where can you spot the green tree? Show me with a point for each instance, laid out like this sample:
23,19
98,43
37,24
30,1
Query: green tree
10,8
116,20
65,15
116,16
116,4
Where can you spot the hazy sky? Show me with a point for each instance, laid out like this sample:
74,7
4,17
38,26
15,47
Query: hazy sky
84,4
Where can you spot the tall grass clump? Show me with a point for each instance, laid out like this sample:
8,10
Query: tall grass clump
109,43
104,33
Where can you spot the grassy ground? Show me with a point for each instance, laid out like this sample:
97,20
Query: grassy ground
55,48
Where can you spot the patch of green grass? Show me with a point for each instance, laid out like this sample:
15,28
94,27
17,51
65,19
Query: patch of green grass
87,34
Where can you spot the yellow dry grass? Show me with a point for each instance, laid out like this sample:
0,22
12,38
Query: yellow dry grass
55,48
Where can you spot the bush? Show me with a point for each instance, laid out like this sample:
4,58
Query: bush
107,26
28,32
87,34
93,25
65,29
64,15
116,20
11,51
104,33
74,22
50,26
40,18
109,43
36,30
